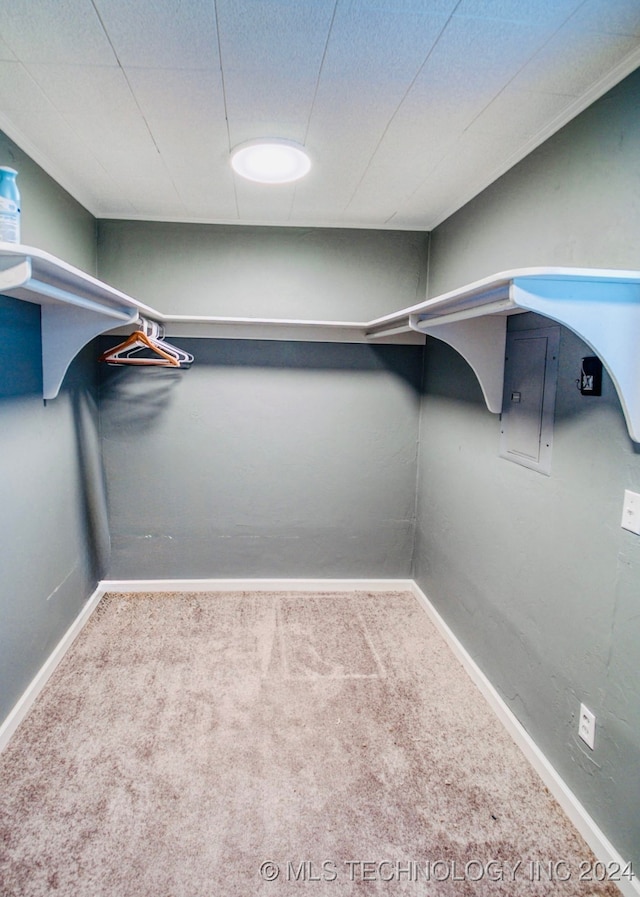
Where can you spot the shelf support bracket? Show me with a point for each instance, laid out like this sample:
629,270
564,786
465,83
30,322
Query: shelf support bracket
14,275
65,331
481,342
606,315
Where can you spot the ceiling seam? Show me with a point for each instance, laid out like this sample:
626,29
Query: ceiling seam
135,100
320,68
404,96
124,75
502,89
224,101
314,98
524,64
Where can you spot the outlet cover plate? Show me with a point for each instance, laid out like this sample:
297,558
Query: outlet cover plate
631,512
587,726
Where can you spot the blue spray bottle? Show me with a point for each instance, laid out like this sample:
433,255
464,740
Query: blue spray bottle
9,206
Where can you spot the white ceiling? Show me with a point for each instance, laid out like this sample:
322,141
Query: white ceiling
408,108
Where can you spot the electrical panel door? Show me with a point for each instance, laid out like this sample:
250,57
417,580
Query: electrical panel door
530,376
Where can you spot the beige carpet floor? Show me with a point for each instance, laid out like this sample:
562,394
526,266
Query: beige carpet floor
196,745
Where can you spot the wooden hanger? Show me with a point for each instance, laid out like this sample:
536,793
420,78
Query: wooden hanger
124,353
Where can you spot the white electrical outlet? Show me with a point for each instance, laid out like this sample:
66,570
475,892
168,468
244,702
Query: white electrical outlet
587,726
631,512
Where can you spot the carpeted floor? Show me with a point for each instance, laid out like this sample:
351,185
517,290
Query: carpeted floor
195,745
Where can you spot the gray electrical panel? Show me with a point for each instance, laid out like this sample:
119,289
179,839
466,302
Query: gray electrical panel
530,377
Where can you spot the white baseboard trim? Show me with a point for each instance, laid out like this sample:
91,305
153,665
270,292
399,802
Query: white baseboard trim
592,834
595,838
256,585
25,702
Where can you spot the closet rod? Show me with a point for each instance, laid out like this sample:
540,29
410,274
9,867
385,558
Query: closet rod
52,292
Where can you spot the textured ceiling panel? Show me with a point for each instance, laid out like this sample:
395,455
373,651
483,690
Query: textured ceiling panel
200,197
78,89
271,55
573,60
258,202
134,157
454,176
148,202
89,179
475,59
62,31
408,107
359,50
161,33
5,51
262,36
443,103
174,123
365,43
349,126
518,115
619,17
552,12
19,92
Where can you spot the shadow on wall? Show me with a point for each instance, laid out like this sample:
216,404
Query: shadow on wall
81,385
448,376
21,397
299,355
138,395
21,358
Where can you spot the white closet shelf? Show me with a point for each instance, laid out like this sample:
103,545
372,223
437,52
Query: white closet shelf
275,329
75,307
601,306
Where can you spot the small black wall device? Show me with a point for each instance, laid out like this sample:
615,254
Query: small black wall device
591,376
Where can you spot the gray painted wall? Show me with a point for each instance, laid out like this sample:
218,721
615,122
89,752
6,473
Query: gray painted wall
54,542
574,201
50,219
534,573
273,272
265,459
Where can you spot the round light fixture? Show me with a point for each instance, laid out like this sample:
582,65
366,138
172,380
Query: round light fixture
270,161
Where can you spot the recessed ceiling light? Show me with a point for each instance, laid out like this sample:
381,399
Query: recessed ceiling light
271,161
